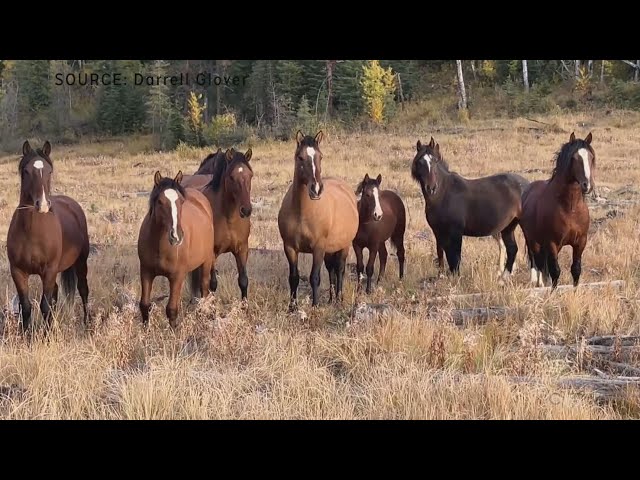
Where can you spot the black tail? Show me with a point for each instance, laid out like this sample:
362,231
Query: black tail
69,286
195,281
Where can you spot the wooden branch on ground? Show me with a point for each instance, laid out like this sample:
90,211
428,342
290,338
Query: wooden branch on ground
538,290
603,388
478,315
610,340
622,352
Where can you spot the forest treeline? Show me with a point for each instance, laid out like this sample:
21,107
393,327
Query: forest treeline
273,98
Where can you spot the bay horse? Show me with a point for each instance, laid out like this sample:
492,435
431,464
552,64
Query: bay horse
175,239
382,216
556,214
48,234
456,206
317,216
229,194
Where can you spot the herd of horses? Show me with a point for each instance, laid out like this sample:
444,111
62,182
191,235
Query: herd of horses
193,219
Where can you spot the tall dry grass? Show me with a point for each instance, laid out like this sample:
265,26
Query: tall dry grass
411,362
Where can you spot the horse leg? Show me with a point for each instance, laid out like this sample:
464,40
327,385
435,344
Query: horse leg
330,260
205,278
340,263
314,277
21,280
48,287
176,282
552,264
453,249
383,260
83,286
294,277
440,250
511,249
576,265
373,251
241,264
146,280
502,253
398,242
359,264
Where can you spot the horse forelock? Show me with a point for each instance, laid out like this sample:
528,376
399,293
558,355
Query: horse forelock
221,166
566,152
164,184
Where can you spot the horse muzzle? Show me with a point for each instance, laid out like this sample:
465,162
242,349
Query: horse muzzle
432,190
175,240
43,207
315,190
245,212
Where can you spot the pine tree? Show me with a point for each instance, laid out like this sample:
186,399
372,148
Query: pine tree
304,117
158,103
377,86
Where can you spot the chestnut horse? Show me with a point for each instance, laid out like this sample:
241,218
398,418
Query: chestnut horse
48,235
382,217
317,216
203,175
229,193
176,238
555,213
456,206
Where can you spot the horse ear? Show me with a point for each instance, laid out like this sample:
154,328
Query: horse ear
26,148
379,179
437,149
229,154
178,178
366,177
299,136
588,139
247,155
432,143
418,145
359,189
572,138
157,178
46,148
319,137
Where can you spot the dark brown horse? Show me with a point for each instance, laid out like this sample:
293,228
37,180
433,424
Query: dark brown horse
555,213
317,216
229,193
456,206
48,235
382,217
176,238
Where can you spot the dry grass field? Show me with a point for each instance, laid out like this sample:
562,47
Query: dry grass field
409,360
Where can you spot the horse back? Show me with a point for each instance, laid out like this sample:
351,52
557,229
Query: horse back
198,203
197,181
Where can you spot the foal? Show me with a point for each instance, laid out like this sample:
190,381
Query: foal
382,217
48,234
176,238
555,213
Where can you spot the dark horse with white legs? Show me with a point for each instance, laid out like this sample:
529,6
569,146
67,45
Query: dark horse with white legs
555,213
456,206
317,216
48,235
382,216
229,193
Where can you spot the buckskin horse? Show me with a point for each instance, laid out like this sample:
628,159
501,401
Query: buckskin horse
555,213
47,235
382,217
229,193
456,206
317,216
175,239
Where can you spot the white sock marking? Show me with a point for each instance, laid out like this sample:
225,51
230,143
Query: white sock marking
534,275
378,209
172,195
584,154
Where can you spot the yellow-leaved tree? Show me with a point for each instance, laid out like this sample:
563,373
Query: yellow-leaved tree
195,118
378,87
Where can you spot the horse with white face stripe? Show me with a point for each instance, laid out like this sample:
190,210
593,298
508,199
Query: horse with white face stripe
176,239
556,214
382,217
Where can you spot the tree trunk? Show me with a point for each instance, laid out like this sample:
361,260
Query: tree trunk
473,69
602,72
330,66
635,75
525,75
590,67
462,103
577,69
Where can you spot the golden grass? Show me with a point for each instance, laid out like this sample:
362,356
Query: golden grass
226,362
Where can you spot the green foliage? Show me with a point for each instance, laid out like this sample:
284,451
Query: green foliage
121,108
223,130
305,120
378,87
195,121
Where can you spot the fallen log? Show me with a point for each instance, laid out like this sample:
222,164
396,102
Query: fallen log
478,315
603,388
617,284
609,340
628,352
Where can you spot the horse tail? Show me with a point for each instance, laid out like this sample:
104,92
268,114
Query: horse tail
69,281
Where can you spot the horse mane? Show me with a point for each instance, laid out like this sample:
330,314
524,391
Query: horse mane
221,165
34,153
563,156
164,184
206,160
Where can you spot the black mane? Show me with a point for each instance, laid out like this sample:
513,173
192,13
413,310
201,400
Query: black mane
564,155
204,162
221,165
164,184
34,153
439,160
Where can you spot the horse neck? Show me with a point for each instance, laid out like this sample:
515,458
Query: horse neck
569,194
